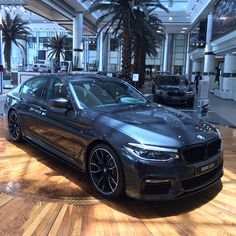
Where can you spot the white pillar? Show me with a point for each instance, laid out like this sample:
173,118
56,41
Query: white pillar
209,27
86,53
108,53
100,51
187,59
103,51
228,85
196,68
77,41
209,62
1,66
165,59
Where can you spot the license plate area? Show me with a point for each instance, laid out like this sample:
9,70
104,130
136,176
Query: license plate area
206,168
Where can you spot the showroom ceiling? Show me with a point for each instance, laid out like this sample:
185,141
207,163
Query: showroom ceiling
182,13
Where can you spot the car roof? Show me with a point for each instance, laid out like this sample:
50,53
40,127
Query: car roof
170,76
79,77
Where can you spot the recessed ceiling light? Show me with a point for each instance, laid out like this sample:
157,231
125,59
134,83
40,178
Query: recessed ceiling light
170,18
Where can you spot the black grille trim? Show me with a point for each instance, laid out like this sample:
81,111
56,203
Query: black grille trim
179,94
200,152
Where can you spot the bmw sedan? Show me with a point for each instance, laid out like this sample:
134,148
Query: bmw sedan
108,129
173,90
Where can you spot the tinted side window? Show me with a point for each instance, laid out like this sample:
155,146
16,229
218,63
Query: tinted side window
58,90
34,87
26,87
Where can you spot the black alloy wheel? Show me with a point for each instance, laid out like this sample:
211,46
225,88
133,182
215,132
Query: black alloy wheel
105,171
14,127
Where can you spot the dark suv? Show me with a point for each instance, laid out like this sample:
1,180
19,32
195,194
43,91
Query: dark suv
172,90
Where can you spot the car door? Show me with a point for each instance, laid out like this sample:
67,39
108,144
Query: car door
58,125
28,105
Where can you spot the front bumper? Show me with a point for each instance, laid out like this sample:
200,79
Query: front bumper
175,100
152,180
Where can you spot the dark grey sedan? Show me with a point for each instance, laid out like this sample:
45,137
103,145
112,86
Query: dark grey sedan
110,130
173,90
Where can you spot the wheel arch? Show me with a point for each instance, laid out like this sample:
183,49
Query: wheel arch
92,145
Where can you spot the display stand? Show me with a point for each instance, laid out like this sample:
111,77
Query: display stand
203,101
135,79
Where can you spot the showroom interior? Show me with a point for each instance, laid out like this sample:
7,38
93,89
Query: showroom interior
42,194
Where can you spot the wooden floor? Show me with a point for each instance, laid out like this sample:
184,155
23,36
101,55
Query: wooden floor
39,196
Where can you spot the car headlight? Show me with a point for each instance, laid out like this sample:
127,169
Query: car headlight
161,92
156,153
190,92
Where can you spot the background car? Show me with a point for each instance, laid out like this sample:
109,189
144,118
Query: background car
35,67
43,68
172,90
107,128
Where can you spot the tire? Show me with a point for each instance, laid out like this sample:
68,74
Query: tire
105,171
14,127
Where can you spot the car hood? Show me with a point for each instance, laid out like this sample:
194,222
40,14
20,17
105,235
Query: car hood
157,125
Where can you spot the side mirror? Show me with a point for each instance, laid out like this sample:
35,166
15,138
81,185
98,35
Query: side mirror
60,103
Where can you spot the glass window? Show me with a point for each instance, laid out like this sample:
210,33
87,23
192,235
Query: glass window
58,90
103,93
172,80
113,45
180,43
34,87
26,87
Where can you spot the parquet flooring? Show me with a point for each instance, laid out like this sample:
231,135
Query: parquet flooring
41,196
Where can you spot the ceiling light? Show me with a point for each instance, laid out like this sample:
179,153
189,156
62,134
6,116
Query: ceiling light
182,31
184,28
233,52
170,18
158,31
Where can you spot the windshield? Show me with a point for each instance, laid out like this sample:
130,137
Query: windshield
172,80
103,93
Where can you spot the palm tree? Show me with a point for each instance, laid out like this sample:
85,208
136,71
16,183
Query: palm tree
119,15
13,30
57,45
147,39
